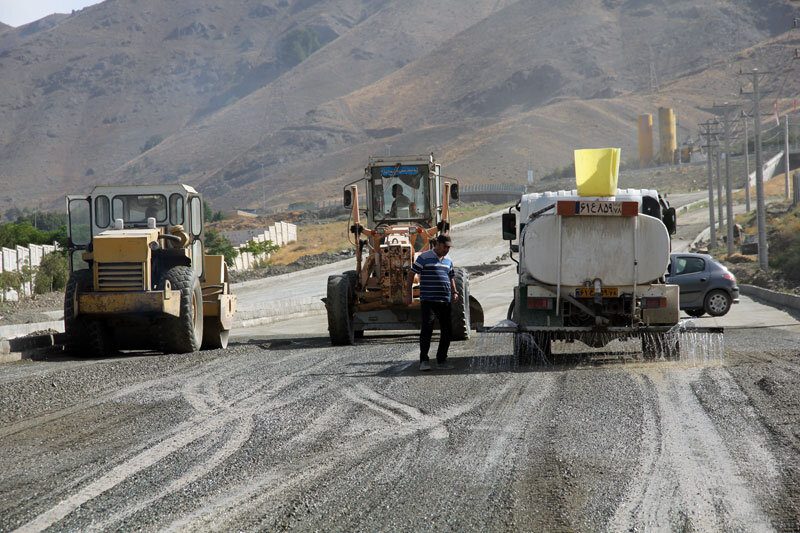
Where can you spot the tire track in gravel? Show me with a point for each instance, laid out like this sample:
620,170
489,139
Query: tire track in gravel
398,412
687,478
241,432
116,395
282,481
243,405
507,413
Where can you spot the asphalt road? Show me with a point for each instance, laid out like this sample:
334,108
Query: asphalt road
282,431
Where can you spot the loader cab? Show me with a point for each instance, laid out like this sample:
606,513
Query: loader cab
110,208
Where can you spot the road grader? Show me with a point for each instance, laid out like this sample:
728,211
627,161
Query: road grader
139,276
407,206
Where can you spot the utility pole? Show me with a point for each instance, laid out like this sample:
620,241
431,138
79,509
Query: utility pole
708,134
786,151
761,215
717,155
263,191
746,165
727,111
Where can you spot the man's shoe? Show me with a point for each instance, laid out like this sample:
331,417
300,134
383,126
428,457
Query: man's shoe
424,366
444,366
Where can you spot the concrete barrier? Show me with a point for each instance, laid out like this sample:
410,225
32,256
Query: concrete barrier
792,301
12,331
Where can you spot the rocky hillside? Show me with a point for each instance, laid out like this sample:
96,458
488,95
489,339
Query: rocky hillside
287,97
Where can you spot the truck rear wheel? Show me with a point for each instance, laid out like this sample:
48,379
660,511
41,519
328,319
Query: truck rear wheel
183,334
340,303
459,314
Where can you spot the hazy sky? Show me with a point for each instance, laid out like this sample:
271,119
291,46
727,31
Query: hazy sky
19,12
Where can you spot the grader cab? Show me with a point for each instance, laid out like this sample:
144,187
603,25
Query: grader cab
407,206
139,276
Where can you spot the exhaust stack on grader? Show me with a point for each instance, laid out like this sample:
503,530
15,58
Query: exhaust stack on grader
139,275
407,205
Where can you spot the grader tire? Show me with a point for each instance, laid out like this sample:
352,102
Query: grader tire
77,339
459,311
340,301
183,334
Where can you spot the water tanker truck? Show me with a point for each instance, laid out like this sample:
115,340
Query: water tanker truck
592,269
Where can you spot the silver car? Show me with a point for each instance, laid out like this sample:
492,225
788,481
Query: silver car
706,286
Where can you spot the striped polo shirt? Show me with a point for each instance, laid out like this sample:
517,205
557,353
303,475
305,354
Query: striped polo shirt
434,276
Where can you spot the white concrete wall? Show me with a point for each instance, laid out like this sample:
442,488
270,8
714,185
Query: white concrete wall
13,260
280,233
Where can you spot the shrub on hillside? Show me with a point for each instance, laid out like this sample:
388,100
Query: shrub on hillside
784,245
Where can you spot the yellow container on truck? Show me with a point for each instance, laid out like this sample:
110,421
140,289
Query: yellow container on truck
596,171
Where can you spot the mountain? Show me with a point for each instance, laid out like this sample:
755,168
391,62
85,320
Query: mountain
288,98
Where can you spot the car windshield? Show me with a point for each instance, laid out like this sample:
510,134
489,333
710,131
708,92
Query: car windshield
400,192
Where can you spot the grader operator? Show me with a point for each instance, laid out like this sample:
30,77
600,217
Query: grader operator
407,205
139,276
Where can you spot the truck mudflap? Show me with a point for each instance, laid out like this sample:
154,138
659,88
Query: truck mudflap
166,302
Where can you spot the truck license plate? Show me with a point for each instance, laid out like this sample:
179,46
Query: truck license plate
588,292
599,208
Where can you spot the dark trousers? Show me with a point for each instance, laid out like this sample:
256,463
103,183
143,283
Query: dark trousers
431,310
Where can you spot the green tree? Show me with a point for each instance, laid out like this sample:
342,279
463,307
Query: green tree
259,248
44,220
218,244
23,233
10,280
52,273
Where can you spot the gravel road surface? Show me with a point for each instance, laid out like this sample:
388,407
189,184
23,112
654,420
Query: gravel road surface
283,432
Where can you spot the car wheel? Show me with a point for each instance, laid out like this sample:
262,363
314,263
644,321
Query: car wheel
717,303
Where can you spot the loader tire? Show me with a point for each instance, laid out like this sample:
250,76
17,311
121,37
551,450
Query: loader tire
340,303
183,334
459,311
215,337
99,338
76,336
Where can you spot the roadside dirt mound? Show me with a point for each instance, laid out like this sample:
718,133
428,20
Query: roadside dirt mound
29,310
751,274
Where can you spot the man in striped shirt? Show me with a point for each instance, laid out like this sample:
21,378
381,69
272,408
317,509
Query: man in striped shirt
437,287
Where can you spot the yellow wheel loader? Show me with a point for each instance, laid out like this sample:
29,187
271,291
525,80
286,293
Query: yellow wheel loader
407,205
139,276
